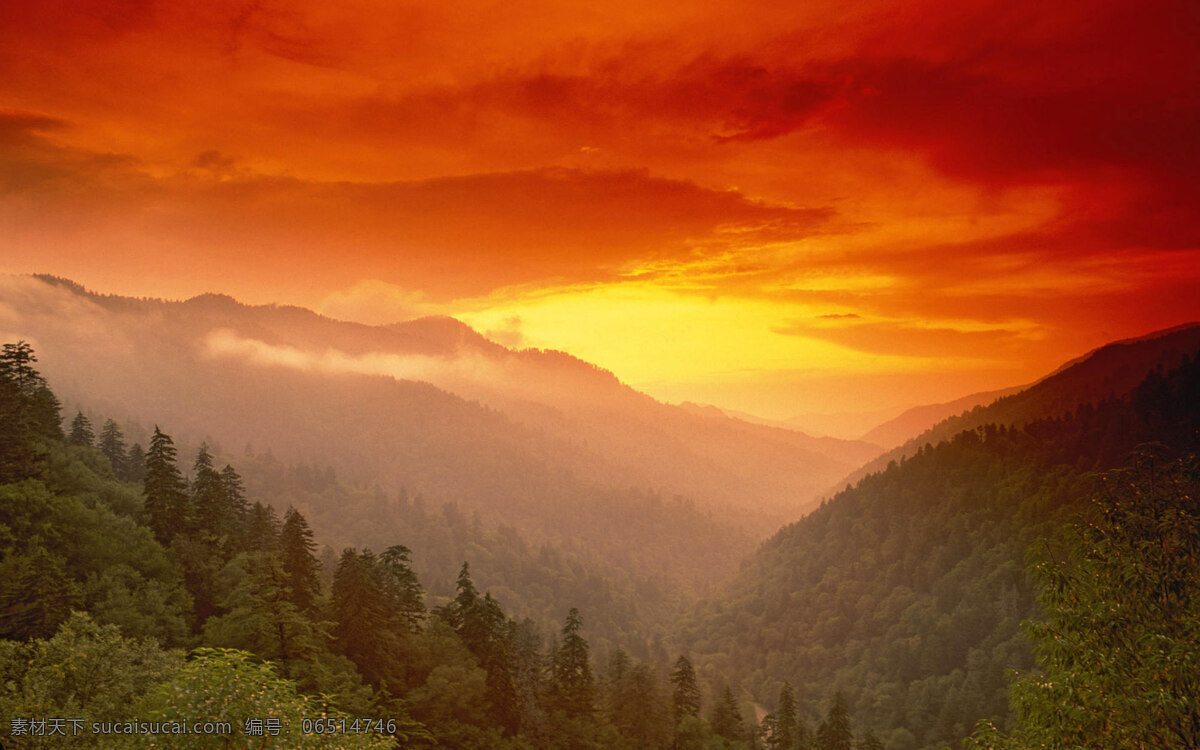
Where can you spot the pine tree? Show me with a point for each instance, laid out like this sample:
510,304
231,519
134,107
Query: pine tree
298,555
572,689
112,445
262,529
633,704
788,730
208,498
367,628
135,464
726,718
16,365
401,587
81,431
166,490
685,700
484,630
835,732
28,414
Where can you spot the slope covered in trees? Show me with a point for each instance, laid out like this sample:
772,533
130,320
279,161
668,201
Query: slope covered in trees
1108,372
136,608
906,591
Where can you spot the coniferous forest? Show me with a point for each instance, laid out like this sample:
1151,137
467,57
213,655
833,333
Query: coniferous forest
1019,585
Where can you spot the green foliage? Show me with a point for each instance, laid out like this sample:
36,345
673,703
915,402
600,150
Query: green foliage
220,685
141,607
86,671
785,730
36,593
907,591
1119,647
135,464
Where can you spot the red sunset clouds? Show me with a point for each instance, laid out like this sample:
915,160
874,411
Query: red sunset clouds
991,188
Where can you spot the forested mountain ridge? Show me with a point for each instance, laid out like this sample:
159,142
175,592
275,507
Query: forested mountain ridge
358,396
905,592
1112,370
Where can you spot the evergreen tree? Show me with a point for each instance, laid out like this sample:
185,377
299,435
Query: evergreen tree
484,630
261,616
235,502
572,689
112,445
685,700
300,565
28,414
208,498
81,431
633,704
835,732
135,464
528,665
869,741
401,587
726,718
36,593
788,730
372,606
262,529
166,490
16,365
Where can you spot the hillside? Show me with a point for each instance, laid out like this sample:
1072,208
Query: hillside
915,421
1110,371
428,404
905,591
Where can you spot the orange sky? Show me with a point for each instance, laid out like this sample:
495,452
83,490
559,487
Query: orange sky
777,207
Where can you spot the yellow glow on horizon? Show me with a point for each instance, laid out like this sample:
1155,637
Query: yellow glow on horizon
645,333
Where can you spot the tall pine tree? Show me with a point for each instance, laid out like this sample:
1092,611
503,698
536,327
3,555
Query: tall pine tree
167,502
81,431
112,445
208,498
835,732
726,718
685,699
572,688
300,566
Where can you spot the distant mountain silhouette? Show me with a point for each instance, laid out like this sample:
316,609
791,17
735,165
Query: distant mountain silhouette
916,420
428,403
1111,370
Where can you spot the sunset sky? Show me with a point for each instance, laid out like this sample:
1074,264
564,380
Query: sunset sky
777,207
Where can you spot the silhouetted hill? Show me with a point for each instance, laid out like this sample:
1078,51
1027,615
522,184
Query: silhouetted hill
1112,370
916,420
